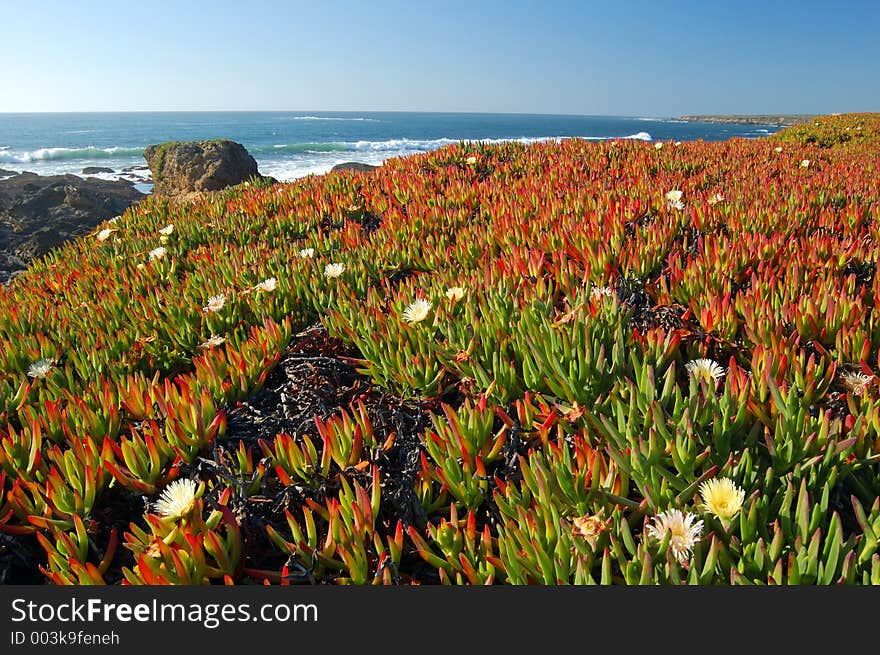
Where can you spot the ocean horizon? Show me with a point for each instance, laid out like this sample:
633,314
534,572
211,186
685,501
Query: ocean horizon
289,145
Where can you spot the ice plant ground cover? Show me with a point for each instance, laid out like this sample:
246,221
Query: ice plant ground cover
481,365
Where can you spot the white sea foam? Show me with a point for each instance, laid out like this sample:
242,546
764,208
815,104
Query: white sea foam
9,156
424,145
334,118
650,119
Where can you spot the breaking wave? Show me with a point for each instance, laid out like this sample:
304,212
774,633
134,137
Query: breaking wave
8,156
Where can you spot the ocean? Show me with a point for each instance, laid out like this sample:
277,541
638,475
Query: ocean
292,144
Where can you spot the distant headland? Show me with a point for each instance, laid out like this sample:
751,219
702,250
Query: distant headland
784,120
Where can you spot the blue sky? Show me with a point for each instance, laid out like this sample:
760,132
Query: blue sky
624,58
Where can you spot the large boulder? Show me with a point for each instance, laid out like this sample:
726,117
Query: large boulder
39,213
353,166
183,168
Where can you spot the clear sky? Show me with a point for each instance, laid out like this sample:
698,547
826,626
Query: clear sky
626,57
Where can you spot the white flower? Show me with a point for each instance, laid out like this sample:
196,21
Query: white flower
856,382
471,160
307,252
178,499
114,220
722,497
213,342
40,368
455,293
777,149
674,199
333,270
678,143
267,285
215,303
705,369
167,230
417,311
104,234
658,145
597,293
805,163
715,198
157,253
684,531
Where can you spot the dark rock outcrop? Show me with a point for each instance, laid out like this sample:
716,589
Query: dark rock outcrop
39,213
91,170
353,166
182,168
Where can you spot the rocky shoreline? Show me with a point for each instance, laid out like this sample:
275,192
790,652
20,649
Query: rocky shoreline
38,213
785,120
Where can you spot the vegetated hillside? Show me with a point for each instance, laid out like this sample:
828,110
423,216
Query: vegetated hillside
838,130
575,362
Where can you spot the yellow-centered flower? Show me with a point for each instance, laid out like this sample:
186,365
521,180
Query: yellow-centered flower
177,499
722,497
40,368
333,270
705,369
417,311
215,303
683,529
